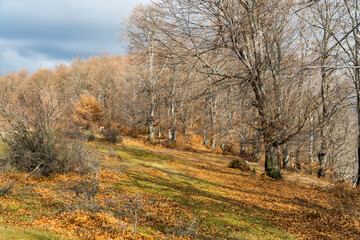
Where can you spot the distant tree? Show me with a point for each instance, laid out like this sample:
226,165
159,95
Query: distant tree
88,112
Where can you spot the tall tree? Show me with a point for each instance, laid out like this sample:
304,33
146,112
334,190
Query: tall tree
206,34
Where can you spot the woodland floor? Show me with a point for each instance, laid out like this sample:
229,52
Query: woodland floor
178,187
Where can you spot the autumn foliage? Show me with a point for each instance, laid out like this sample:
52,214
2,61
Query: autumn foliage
88,112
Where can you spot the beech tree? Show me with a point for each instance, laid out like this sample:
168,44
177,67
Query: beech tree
245,42
142,46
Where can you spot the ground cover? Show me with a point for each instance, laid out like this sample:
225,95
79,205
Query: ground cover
174,193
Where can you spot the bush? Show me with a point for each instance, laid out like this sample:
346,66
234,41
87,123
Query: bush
34,137
228,149
86,190
112,135
28,148
242,165
187,230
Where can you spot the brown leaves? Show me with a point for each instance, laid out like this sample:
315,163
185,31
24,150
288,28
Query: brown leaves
177,187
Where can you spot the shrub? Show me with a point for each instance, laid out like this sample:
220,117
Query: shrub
86,190
6,189
33,136
228,149
127,208
27,148
242,165
112,135
187,230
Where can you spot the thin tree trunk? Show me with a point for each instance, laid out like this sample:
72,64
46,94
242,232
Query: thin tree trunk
322,152
151,120
357,75
184,130
159,131
285,157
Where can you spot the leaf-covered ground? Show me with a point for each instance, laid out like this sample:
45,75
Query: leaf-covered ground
181,194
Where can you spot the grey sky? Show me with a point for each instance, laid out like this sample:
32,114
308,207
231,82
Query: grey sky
42,33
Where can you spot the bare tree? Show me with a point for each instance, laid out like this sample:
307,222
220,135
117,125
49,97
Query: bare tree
140,35
234,41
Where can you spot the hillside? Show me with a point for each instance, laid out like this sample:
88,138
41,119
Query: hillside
176,193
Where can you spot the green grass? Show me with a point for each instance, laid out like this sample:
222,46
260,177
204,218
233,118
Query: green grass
159,176
16,233
220,217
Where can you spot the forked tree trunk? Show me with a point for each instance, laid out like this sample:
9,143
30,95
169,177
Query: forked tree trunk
272,164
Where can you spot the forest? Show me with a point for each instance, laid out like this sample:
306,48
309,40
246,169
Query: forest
270,87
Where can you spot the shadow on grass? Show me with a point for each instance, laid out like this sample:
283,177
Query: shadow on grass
214,208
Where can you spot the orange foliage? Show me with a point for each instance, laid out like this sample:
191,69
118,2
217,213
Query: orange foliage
88,112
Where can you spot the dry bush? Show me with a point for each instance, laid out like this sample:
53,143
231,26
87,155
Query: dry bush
127,208
242,165
112,135
85,191
28,148
134,131
229,149
186,230
170,144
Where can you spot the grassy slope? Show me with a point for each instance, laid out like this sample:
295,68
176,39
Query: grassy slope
189,183
16,233
226,203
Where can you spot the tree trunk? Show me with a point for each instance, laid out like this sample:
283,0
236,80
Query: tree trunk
205,138
357,83
213,145
322,153
184,130
151,120
321,172
159,131
272,164
358,160
285,157
173,134
170,134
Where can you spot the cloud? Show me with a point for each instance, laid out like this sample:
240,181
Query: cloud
41,33
13,62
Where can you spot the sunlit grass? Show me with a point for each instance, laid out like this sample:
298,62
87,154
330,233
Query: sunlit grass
16,233
175,185
161,176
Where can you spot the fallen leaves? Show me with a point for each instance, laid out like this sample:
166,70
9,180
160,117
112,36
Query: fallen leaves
227,202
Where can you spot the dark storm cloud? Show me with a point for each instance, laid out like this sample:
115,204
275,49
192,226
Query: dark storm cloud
41,33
